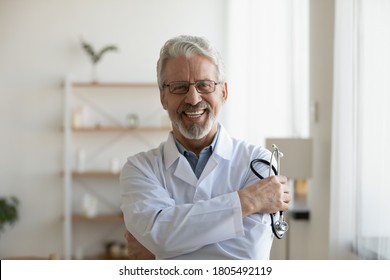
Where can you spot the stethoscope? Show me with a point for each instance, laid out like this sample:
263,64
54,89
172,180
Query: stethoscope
280,226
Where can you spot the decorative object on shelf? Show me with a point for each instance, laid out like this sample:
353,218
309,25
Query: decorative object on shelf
90,205
8,211
82,117
96,56
115,165
116,250
81,157
132,120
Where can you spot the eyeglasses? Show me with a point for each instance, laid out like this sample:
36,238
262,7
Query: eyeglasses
182,87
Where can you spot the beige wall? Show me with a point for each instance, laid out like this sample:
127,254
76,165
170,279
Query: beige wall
321,69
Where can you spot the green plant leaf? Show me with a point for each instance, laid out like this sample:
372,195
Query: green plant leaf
104,50
8,211
96,56
89,50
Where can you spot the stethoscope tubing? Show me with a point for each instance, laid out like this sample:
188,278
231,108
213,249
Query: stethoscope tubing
256,160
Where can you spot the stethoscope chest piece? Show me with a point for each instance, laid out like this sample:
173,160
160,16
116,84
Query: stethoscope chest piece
280,227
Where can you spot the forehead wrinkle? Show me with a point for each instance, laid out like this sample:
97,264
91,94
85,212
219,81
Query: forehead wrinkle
190,69
177,69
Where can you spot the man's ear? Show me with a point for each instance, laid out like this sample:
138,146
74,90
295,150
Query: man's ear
225,92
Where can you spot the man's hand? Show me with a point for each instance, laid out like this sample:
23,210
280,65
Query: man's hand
269,195
135,250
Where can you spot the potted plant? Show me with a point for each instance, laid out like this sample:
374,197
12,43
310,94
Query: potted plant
8,211
96,56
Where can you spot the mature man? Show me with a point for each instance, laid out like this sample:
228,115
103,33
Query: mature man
194,197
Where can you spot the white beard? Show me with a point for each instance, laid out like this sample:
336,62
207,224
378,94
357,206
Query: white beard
196,131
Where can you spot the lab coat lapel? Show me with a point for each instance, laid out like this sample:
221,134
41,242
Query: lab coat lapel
183,169
224,145
222,151
210,166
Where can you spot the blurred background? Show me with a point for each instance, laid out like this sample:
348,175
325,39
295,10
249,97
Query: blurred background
311,75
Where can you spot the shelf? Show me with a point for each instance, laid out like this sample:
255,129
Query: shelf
114,85
119,129
98,173
98,218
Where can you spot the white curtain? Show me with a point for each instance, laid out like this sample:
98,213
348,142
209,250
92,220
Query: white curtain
360,189
268,69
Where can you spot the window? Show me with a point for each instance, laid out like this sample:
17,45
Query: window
361,130
268,69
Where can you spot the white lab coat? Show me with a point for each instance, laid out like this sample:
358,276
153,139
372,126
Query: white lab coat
177,216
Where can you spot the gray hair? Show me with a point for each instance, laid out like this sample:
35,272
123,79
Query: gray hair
188,46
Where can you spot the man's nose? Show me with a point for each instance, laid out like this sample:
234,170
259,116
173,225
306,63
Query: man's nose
193,97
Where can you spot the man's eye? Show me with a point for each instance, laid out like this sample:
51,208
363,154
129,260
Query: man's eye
179,87
204,85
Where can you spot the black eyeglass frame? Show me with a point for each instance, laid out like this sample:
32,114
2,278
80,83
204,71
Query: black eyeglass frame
189,84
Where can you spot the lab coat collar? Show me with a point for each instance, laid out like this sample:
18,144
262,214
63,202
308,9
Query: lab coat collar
223,147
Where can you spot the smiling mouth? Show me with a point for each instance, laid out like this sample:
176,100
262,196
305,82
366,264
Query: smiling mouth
194,114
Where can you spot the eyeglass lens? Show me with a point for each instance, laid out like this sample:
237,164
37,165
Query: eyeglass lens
202,86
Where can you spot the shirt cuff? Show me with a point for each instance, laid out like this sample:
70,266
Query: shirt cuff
237,214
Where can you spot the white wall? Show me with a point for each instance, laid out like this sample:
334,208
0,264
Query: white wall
39,45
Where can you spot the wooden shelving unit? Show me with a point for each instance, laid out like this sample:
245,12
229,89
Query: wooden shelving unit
114,93
95,173
113,85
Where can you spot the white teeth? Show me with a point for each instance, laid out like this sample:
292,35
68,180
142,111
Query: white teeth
194,114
